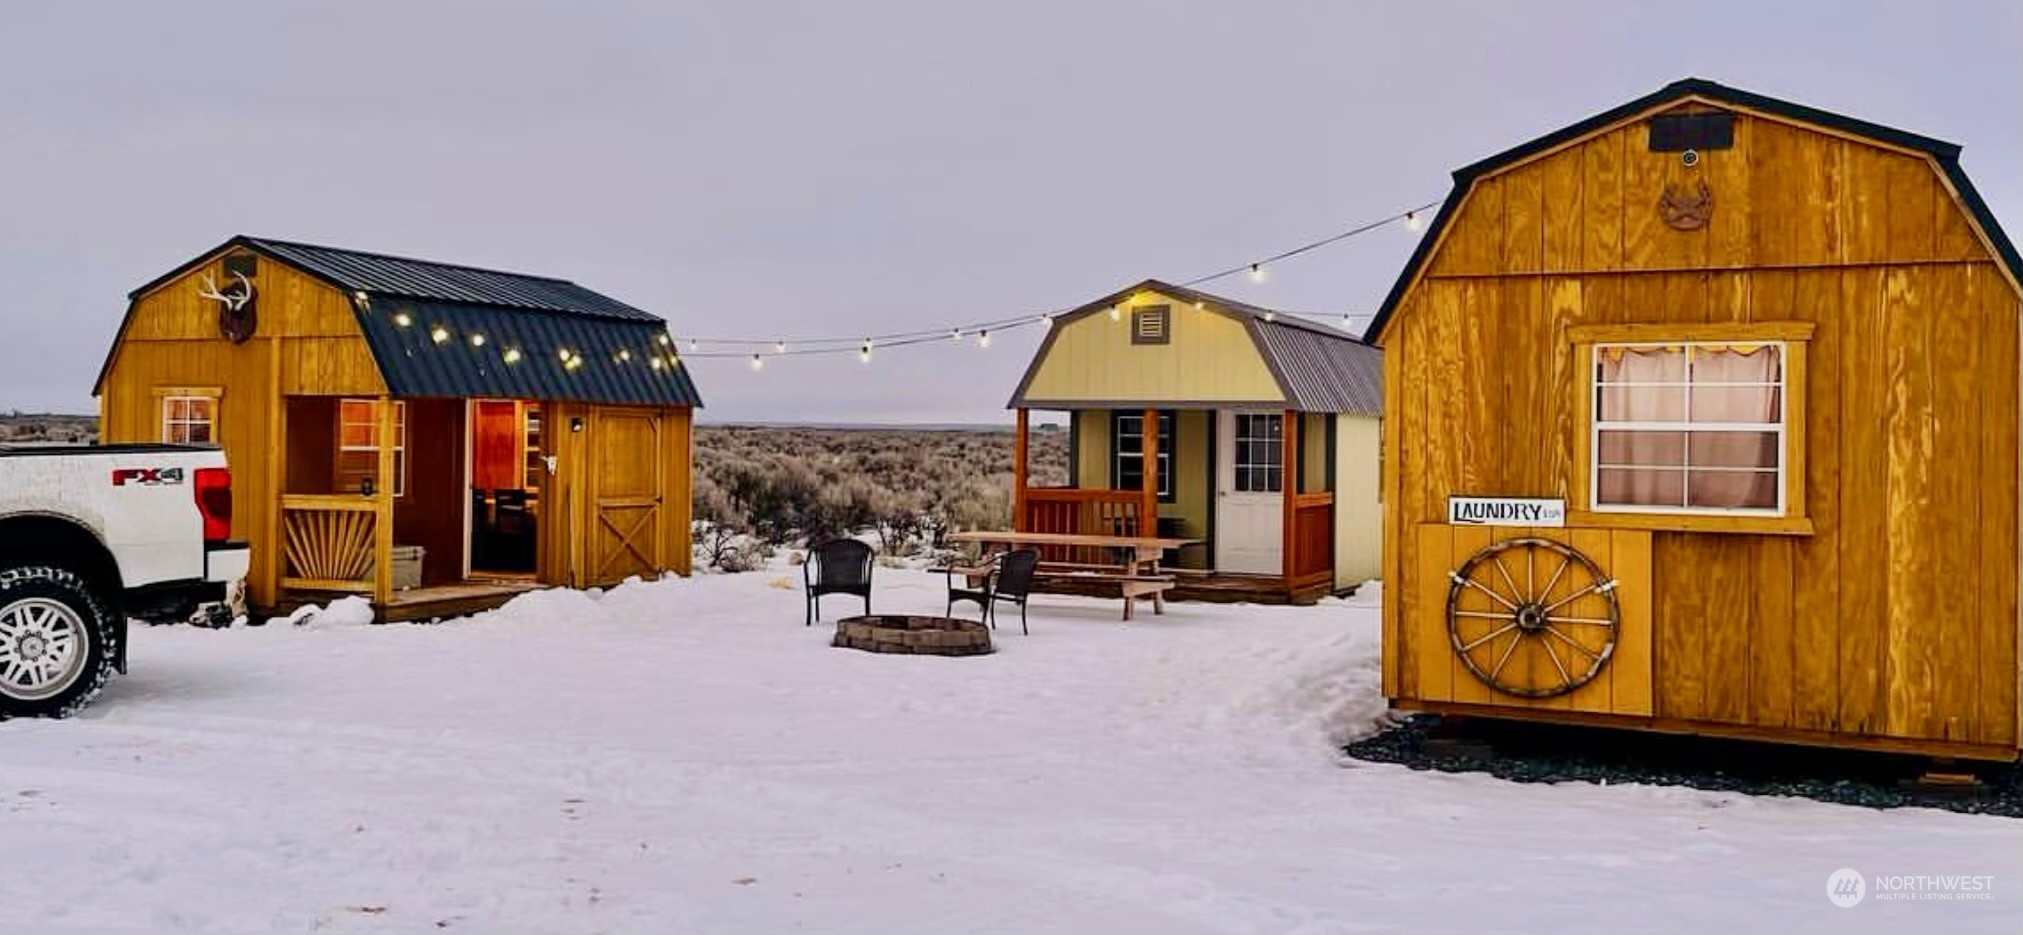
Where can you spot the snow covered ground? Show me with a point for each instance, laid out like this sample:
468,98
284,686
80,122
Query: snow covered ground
685,756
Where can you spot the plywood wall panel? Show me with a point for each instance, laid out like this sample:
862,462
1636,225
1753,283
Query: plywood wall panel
1910,420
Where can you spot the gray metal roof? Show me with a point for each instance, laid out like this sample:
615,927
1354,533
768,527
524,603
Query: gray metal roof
379,273
1318,368
617,356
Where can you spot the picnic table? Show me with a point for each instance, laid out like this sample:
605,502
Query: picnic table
1133,566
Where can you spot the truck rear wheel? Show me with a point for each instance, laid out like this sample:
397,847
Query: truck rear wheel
56,642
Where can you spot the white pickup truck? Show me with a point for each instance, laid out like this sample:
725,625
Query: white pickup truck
91,536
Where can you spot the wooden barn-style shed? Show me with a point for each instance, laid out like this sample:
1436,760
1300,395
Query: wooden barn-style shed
1703,417
437,436
1260,430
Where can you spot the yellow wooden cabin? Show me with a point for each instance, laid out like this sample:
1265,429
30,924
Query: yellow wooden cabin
1262,429
438,437
1703,417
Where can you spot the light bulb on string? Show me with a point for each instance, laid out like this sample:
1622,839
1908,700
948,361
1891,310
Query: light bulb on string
758,362
955,335
983,338
403,319
624,354
1116,313
864,353
779,347
477,340
1257,272
657,364
1047,320
564,355
666,339
439,334
512,355
1412,222
694,345
1270,316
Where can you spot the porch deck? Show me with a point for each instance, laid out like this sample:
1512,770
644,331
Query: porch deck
429,603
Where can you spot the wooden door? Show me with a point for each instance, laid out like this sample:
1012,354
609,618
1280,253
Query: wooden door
626,485
1249,493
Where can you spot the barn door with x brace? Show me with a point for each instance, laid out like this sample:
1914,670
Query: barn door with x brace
627,484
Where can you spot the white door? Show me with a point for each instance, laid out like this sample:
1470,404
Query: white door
1249,480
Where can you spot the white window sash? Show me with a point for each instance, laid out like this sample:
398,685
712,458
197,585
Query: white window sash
1597,426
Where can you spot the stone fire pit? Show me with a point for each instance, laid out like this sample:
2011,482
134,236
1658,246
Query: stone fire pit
918,636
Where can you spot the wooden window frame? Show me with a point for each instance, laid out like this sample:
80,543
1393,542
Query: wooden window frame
168,394
533,468
1789,520
400,442
1169,424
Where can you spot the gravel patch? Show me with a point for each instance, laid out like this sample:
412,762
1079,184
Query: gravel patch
1552,753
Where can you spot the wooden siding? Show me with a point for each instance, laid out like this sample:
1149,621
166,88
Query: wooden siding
306,336
308,350
621,462
1897,618
1211,358
1623,687
1359,529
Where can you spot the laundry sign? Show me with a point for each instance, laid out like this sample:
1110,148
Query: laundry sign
1506,511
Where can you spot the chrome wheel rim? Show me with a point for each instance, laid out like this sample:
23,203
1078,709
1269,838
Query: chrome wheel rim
42,648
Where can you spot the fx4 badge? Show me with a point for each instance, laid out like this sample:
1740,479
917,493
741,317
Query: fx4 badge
146,477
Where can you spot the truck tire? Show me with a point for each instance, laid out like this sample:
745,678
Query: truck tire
57,642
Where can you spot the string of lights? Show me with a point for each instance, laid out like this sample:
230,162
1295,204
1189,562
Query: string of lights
756,350
663,353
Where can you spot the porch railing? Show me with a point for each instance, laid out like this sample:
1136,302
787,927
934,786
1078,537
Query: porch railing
1313,536
328,542
1079,511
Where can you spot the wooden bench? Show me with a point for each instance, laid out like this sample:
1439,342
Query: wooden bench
1131,587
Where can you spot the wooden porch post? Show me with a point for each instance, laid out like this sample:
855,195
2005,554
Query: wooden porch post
1288,487
268,554
382,524
1019,471
1148,450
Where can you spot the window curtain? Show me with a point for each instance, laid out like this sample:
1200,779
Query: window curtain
1718,403
1666,468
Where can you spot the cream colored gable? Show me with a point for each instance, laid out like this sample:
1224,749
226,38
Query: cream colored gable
1211,358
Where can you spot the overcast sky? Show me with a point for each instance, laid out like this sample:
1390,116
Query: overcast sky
813,169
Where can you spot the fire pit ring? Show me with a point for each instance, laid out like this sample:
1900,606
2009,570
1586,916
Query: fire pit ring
913,635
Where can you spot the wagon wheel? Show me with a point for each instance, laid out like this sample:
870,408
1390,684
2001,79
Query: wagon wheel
1532,617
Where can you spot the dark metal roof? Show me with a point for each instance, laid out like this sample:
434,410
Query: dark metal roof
536,316
1946,154
616,368
383,274
1318,368
379,273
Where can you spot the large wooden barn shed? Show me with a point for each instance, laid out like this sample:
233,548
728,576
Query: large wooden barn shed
1702,416
439,437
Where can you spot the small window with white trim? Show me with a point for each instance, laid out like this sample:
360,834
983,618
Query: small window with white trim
1692,427
358,443
190,420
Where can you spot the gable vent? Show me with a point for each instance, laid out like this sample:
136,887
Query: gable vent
1677,133
1152,324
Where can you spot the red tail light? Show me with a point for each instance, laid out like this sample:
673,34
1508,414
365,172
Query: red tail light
214,500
